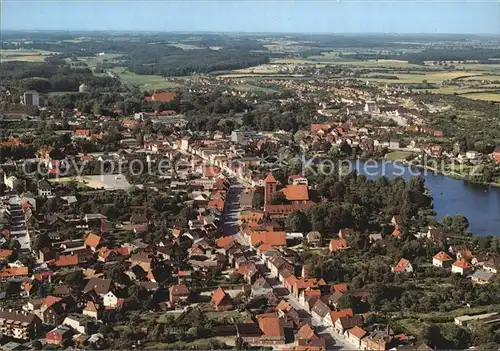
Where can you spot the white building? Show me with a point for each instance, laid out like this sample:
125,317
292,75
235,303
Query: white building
472,155
30,98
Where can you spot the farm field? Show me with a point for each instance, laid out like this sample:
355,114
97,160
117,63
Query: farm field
398,155
252,88
24,55
144,81
93,61
419,77
486,96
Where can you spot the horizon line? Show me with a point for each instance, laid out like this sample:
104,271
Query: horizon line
133,31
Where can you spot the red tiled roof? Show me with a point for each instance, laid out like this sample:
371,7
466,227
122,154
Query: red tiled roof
68,260
224,241
268,238
83,132
50,300
442,256
357,332
317,127
306,332
461,263
211,171
342,287
163,96
338,244
400,267
342,313
270,325
5,253
270,178
92,240
13,272
296,192
218,295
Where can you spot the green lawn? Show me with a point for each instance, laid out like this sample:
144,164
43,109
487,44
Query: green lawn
226,314
24,55
149,82
398,155
486,96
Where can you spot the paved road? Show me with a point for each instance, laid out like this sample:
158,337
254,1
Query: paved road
232,212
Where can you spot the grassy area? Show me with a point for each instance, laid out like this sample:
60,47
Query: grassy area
398,155
24,55
419,77
487,96
164,316
226,314
148,82
200,344
252,88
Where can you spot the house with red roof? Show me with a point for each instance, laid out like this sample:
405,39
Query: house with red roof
442,260
496,154
273,332
338,245
273,239
82,133
354,335
342,287
403,266
164,96
462,267
334,315
221,301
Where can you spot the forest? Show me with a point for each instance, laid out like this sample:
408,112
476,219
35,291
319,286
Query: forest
51,76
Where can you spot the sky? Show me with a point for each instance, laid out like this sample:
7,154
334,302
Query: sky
300,16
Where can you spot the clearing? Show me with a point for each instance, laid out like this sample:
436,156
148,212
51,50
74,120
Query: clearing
398,155
148,82
24,55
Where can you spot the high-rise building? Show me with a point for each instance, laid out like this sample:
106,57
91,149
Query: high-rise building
30,98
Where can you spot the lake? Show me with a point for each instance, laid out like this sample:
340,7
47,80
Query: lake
479,203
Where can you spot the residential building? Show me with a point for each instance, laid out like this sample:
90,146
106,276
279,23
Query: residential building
461,266
179,294
30,98
403,266
20,325
442,259
221,301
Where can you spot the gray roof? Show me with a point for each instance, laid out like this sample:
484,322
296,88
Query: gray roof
321,309
482,274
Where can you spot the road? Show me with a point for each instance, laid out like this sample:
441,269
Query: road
232,212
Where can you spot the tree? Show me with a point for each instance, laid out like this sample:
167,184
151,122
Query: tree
431,335
346,301
297,222
258,198
240,344
278,199
42,240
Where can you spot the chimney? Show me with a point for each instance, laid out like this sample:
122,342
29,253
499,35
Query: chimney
388,330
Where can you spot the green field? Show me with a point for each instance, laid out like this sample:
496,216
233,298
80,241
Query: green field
486,96
398,155
148,82
24,55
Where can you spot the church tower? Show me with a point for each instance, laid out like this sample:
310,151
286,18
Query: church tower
270,185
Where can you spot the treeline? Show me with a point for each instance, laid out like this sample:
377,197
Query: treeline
194,61
156,55
48,77
444,54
